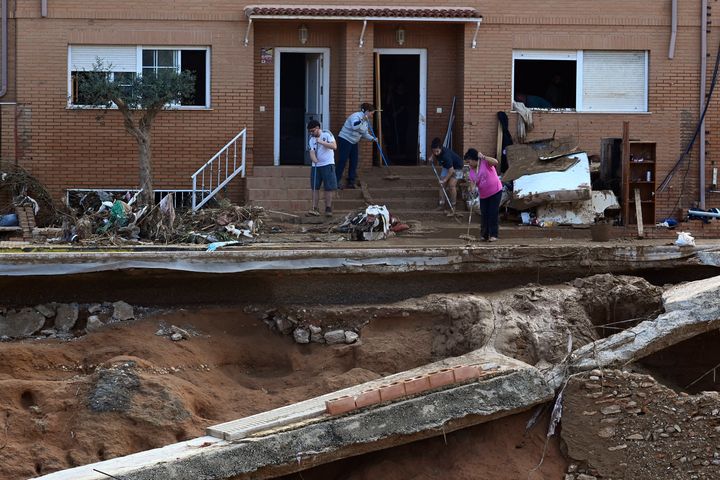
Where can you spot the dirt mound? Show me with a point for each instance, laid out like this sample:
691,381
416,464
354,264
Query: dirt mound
532,323
125,389
618,424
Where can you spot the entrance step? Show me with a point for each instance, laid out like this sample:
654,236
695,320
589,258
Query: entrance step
410,193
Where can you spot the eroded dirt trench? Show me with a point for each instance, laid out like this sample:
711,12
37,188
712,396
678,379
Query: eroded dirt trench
126,386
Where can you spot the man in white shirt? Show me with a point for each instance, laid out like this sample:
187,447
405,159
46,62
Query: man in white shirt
322,148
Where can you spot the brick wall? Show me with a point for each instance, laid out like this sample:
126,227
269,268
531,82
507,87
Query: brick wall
69,148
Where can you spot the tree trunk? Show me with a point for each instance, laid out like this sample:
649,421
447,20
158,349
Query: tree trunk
147,197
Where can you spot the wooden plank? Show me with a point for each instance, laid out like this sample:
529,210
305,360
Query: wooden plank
626,172
638,213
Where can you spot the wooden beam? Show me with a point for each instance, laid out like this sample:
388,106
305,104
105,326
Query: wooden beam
625,163
638,213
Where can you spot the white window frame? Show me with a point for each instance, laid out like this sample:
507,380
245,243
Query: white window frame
138,71
577,57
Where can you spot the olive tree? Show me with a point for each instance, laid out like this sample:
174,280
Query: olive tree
139,99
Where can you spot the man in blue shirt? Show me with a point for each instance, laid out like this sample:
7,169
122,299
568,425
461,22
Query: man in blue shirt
452,171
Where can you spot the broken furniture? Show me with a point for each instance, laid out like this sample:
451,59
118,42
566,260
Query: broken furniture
641,177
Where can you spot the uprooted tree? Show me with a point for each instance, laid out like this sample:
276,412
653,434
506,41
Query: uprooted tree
139,99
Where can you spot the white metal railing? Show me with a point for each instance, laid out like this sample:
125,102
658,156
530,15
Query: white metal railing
216,173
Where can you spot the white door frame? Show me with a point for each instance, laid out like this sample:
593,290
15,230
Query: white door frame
422,104
326,90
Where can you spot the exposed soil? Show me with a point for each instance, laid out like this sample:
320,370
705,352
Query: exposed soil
626,425
124,389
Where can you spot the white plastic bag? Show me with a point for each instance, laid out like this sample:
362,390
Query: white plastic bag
685,240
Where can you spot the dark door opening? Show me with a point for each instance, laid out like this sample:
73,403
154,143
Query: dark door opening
301,100
400,103
292,108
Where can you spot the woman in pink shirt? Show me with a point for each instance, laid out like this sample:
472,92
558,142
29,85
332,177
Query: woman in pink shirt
483,175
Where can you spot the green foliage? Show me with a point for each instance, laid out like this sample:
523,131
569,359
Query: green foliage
151,91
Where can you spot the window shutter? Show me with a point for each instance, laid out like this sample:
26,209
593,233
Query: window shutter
121,58
614,81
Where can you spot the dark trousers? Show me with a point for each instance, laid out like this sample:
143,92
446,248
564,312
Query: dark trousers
490,211
345,150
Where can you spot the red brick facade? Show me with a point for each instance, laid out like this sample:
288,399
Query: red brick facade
69,148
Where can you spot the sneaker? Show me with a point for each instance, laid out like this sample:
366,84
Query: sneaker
313,213
328,212
350,186
440,207
449,213
492,239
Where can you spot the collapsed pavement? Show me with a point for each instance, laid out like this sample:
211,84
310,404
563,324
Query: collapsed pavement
685,303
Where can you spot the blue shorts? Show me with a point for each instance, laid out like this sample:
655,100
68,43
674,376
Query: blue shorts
324,175
458,173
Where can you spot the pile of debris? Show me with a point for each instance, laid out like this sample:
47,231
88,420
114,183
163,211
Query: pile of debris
61,320
101,217
551,184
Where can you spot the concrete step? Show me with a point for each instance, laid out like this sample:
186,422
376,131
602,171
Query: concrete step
282,171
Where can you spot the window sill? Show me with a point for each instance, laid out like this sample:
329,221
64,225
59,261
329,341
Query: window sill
172,109
583,112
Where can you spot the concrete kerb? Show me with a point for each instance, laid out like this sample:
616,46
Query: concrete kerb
309,444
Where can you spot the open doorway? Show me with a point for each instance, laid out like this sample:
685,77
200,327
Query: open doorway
300,96
400,76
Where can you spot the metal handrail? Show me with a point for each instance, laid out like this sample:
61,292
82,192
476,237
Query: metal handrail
214,171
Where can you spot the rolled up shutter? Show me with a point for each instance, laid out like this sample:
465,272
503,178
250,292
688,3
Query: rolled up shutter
614,81
120,58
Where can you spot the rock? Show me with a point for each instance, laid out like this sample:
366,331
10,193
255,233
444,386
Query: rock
334,337
617,447
94,308
301,335
66,316
572,468
583,476
283,325
611,409
48,332
176,337
46,311
182,332
122,311
351,337
114,388
316,335
606,432
22,323
635,436
93,323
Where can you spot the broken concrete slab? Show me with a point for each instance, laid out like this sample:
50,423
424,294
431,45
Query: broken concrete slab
303,444
23,323
122,311
693,309
578,213
66,316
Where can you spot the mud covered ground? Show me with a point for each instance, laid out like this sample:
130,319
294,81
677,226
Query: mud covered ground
123,389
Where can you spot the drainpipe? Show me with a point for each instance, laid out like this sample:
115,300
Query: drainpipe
703,81
4,53
673,31
43,8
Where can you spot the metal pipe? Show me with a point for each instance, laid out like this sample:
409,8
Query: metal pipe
673,30
703,82
43,8
4,53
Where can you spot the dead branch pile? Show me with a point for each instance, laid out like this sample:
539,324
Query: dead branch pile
22,188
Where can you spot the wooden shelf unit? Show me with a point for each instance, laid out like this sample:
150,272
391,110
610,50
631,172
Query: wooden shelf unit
641,160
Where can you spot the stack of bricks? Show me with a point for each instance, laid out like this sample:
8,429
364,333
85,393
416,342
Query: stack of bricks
26,218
